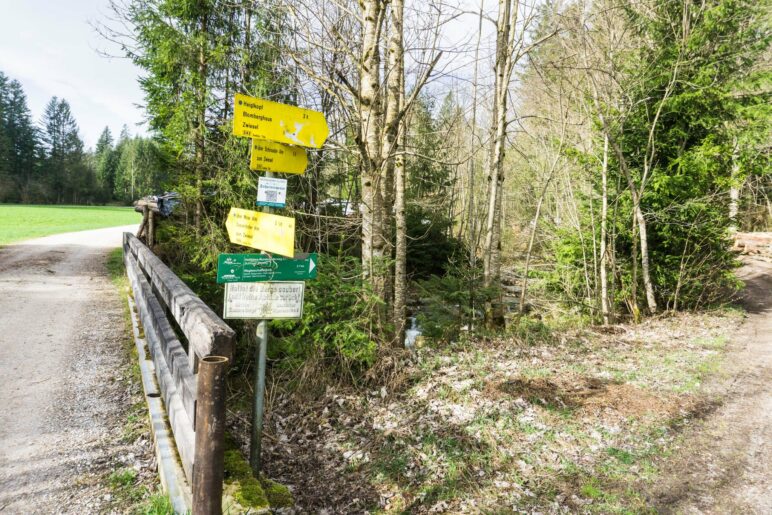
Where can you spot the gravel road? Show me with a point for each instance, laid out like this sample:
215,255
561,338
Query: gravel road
61,400
724,463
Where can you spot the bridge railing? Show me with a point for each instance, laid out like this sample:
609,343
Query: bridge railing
191,382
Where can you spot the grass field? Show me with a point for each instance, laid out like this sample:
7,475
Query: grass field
19,222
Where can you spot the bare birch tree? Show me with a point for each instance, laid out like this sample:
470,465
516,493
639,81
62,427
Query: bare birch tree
511,46
368,80
505,49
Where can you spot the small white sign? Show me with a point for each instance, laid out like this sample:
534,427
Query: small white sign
271,192
268,300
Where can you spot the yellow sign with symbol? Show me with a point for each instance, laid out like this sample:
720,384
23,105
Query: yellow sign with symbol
263,231
263,119
277,157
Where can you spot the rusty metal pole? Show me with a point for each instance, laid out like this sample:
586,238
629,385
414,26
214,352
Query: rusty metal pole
210,436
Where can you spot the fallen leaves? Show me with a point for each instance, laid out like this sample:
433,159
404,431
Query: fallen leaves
499,425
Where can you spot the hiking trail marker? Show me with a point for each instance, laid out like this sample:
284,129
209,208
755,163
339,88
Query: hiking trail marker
238,268
262,231
263,119
271,192
277,157
274,129
269,300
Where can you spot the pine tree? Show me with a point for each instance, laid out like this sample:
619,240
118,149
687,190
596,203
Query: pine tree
18,144
25,145
7,188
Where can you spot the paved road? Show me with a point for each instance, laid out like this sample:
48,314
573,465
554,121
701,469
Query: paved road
61,328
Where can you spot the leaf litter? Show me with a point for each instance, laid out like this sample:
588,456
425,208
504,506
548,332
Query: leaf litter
570,425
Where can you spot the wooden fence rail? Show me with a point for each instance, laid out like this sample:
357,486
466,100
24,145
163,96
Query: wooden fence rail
158,292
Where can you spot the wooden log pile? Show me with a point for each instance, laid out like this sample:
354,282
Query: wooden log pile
753,243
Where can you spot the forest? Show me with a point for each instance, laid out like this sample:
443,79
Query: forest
497,175
576,160
47,162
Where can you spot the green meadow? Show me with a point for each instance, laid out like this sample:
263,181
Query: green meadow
21,222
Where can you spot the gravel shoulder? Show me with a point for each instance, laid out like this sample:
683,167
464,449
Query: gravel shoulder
61,364
724,462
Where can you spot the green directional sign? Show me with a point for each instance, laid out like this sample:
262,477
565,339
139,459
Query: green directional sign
243,268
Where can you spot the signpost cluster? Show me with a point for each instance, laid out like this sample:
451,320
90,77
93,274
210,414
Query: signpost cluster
269,285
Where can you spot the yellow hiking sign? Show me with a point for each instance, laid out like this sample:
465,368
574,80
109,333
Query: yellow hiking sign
263,231
263,119
277,157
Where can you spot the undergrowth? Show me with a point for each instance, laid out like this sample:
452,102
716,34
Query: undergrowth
335,329
540,419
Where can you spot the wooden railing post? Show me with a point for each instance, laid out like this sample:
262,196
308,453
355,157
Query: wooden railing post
150,229
210,436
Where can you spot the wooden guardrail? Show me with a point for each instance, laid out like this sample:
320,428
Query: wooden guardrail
192,382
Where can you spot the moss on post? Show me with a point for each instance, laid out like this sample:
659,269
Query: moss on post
251,495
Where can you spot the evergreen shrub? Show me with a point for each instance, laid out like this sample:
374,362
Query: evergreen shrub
335,327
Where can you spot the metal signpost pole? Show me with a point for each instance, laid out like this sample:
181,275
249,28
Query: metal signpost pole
277,149
259,399
258,404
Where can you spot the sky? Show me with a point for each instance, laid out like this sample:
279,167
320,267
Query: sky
52,48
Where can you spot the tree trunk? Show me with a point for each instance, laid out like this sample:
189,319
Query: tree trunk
394,161
374,265
734,190
494,311
472,220
604,258
640,221
201,125
651,301
636,312
392,115
636,194
524,286
400,262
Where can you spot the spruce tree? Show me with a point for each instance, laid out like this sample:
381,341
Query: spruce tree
106,162
689,162
196,55
70,179
18,145
6,185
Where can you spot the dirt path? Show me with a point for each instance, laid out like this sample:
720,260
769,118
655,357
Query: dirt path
61,326
724,464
